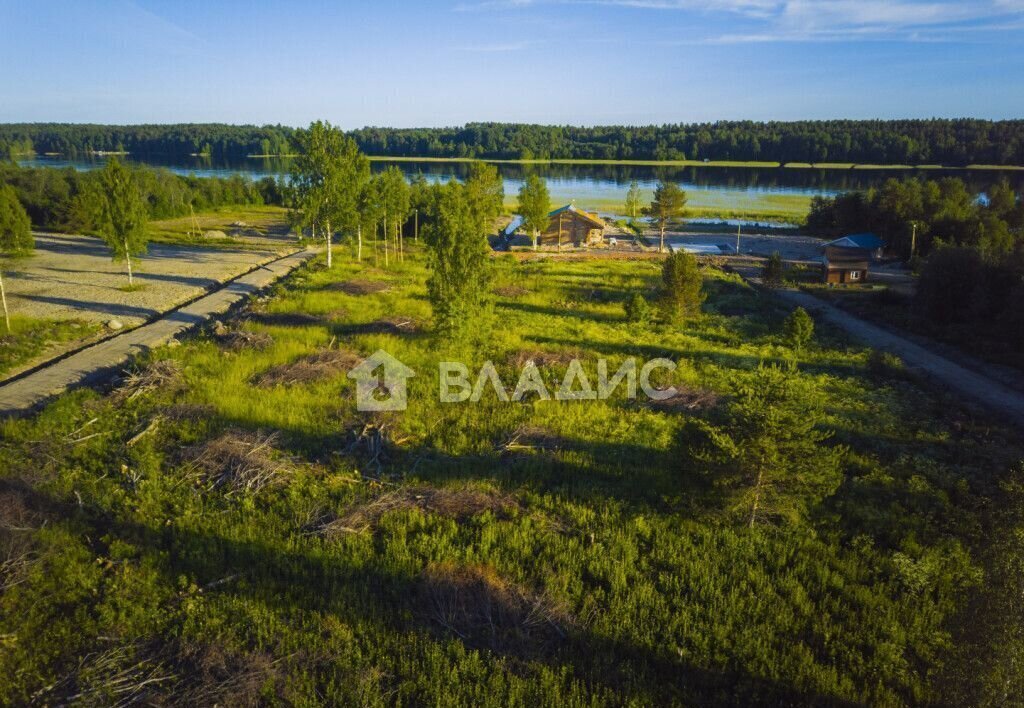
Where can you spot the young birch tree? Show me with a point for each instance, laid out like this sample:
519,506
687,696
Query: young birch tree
534,206
15,235
328,179
633,200
121,213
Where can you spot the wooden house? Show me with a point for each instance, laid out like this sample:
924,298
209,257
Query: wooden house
866,241
846,265
567,225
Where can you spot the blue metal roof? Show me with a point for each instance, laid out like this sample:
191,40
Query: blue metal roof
864,240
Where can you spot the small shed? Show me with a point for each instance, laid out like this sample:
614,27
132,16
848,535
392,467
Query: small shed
864,241
846,265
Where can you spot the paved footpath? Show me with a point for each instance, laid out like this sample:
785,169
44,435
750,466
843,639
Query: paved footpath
965,382
98,361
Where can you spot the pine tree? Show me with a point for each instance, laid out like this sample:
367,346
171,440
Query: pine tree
683,284
668,206
798,328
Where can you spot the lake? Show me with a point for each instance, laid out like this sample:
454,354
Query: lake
782,193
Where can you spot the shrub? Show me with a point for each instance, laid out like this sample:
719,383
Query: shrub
798,328
774,271
684,287
637,309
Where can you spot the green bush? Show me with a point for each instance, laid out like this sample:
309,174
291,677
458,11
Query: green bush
774,272
683,287
637,309
798,328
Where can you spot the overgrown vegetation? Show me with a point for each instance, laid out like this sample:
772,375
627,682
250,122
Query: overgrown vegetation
201,535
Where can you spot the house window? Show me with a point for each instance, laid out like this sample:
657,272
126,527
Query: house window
854,275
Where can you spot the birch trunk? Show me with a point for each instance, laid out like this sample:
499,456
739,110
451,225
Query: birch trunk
330,254
385,239
128,259
3,296
359,241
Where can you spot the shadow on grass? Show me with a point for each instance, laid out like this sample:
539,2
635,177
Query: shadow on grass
307,575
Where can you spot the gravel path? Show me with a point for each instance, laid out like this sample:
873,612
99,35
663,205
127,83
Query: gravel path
100,360
970,384
73,277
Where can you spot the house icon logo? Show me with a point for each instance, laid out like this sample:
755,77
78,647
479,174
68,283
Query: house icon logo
381,383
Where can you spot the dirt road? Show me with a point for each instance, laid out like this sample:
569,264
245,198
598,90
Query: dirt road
965,382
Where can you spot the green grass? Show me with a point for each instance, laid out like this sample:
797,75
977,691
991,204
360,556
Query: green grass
30,337
614,569
261,221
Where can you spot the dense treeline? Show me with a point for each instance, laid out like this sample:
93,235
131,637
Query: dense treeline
60,200
952,142
216,140
971,288
935,141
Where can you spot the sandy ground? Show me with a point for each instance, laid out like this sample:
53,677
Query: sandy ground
73,277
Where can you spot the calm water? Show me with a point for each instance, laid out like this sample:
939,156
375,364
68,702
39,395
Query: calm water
602,186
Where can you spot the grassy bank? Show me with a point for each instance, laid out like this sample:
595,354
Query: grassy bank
30,337
718,204
226,527
700,163
260,227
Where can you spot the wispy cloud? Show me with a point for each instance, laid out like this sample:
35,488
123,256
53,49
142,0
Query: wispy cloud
496,47
823,20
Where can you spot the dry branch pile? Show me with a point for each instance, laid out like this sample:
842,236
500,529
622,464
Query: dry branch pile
359,286
454,503
161,374
238,461
687,399
543,358
396,324
317,366
240,339
485,610
510,291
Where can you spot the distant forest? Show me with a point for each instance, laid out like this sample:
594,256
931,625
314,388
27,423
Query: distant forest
937,141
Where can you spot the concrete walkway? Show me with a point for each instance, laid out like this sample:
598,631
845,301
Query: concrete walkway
965,382
100,360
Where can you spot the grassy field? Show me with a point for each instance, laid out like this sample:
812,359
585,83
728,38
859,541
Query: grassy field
262,223
225,527
30,337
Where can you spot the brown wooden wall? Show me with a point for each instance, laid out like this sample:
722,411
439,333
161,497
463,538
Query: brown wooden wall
575,230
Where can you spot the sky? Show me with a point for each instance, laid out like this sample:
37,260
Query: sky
447,62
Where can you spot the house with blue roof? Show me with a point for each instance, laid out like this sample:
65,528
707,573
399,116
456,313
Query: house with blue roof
864,241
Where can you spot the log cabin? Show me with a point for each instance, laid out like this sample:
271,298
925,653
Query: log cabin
845,265
567,225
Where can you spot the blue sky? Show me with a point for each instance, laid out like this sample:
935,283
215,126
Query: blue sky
446,62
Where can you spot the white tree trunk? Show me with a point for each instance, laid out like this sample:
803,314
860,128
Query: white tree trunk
661,248
536,237
385,239
128,259
3,296
330,249
359,241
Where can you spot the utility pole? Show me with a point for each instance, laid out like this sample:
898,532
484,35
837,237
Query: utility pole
913,238
738,228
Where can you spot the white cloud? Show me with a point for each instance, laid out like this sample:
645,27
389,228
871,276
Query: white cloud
825,20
